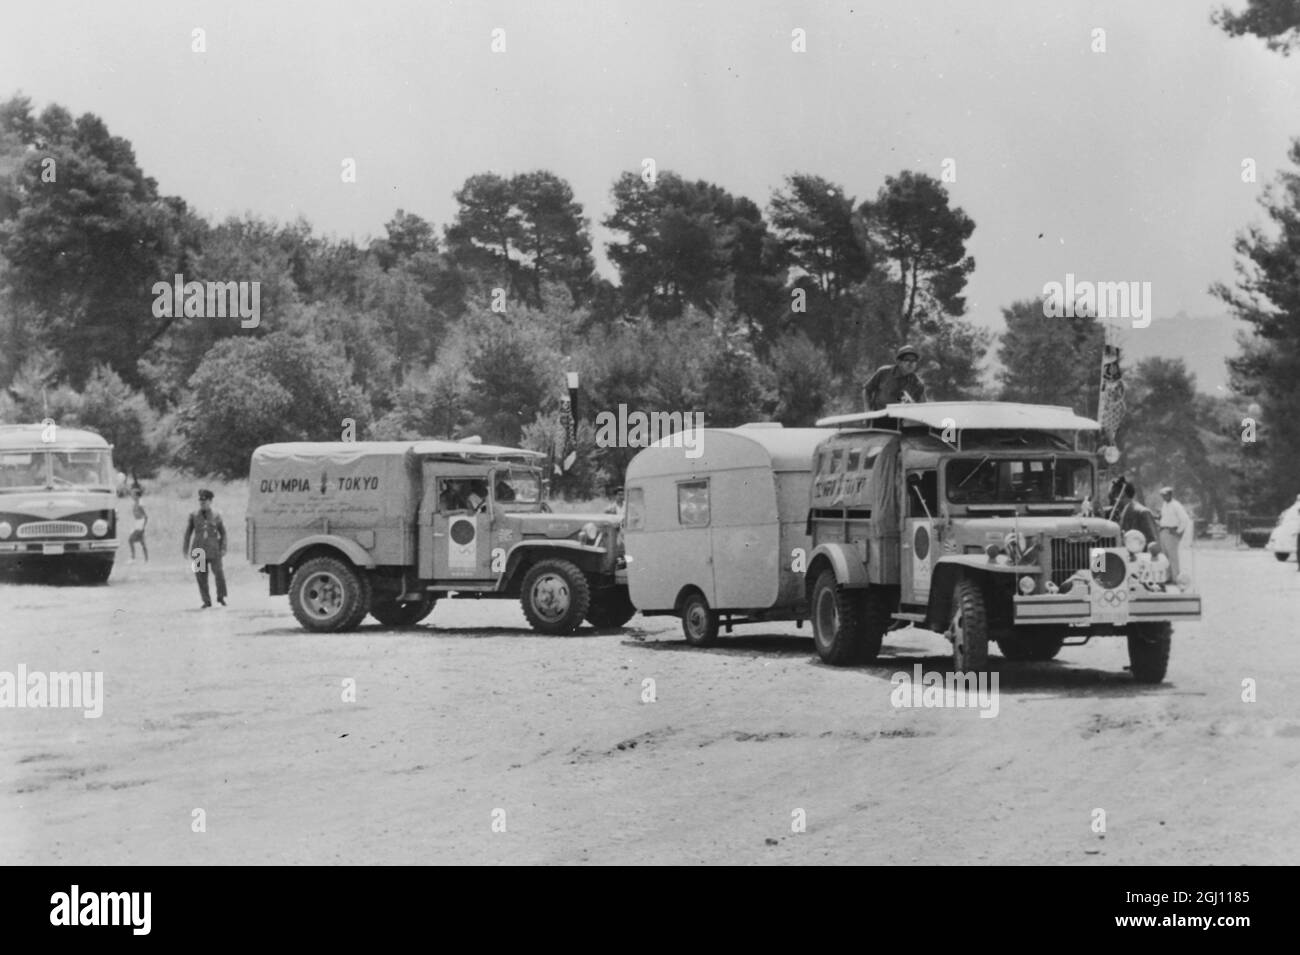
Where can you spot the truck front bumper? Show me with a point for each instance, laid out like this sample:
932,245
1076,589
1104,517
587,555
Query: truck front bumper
1116,607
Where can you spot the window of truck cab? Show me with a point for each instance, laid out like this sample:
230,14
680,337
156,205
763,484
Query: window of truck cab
1030,479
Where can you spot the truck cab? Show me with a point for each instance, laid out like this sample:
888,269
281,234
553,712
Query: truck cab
57,502
979,521
389,528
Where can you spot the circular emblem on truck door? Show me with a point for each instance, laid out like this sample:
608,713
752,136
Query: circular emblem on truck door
921,543
462,531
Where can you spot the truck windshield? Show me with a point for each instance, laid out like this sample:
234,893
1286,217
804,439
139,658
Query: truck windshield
30,470
989,480
518,489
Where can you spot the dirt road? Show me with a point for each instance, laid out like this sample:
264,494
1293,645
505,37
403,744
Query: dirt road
471,724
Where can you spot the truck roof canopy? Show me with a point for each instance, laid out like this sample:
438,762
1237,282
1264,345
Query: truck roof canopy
27,437
347,450
968,416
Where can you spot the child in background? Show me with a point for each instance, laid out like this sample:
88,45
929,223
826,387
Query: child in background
140,522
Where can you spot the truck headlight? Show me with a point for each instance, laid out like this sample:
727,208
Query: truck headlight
5,530
590,532
1135,542
1026,585
99,528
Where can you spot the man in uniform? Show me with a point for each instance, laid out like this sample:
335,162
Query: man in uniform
206,533
891,384
1131,514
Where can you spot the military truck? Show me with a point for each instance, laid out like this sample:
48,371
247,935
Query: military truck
57,501
978,520
387,528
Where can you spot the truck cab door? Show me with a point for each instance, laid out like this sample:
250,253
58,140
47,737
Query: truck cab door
454,541
918,544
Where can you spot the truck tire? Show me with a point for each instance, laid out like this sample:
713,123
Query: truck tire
1030,643
969,628
611,607
878,605
326,594
836,621
1148,650
555,596
393,614
699,622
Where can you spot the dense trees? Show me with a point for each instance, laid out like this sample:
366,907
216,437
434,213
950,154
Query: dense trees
723,307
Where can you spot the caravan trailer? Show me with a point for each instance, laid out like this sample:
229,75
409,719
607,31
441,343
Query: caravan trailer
721,536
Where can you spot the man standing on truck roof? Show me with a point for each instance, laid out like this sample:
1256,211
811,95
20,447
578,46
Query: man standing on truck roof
207,534
891,384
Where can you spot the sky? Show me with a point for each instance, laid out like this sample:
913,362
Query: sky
1122,165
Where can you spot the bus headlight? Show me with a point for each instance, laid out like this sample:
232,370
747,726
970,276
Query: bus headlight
5,530
99,528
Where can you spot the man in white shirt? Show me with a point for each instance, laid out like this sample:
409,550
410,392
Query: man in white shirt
1175,528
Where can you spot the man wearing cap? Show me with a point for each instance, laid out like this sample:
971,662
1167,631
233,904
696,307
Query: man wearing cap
206,534
1175,528
891,384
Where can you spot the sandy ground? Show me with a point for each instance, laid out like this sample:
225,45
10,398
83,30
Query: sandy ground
472,719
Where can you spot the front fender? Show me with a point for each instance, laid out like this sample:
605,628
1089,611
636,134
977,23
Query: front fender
354,551
589,558
948,570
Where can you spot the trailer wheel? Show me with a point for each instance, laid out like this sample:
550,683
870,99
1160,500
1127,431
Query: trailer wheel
969,628
325,594
1030,643
393,614
555,596
699,622
837,621
1148,650
610,608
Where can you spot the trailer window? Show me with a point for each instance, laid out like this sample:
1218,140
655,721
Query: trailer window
635,500
693,503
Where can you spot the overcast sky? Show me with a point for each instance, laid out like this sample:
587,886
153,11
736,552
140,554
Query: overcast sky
1116,166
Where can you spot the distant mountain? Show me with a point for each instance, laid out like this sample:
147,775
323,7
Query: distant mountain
1203,343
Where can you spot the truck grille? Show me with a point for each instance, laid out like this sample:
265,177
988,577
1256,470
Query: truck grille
53,529
1070,557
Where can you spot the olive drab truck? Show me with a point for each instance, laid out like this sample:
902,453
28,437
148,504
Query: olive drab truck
979,521
57,501
388,528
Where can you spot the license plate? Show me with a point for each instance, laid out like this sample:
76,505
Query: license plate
51,549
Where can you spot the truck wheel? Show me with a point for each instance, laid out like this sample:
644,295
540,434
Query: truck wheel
393,614
969,628
1148,650
326,593
1281,558
610,608
555,596
837,621
878,606
699,622
1030,643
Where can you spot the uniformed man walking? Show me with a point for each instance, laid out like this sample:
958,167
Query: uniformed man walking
891,384
206,534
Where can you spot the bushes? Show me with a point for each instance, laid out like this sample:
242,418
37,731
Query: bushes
249,392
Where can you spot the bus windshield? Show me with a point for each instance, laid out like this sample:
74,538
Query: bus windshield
38,470
990,480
